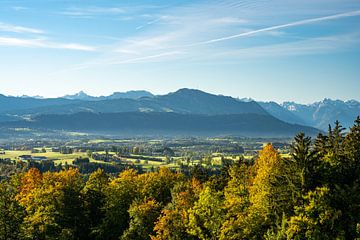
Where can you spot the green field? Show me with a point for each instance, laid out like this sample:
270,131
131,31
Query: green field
60,158
55,156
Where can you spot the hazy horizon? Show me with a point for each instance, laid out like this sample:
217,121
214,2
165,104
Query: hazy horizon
269,51
165,93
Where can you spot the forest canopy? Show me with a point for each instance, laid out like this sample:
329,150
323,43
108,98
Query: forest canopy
312,194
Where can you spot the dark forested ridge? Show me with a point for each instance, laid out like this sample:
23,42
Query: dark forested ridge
167,124
314,193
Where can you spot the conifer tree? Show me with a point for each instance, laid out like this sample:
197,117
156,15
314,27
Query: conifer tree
305,162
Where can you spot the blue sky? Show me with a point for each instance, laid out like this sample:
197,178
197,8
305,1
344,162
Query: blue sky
275,50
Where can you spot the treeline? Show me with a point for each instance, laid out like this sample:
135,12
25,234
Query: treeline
11,167
314,194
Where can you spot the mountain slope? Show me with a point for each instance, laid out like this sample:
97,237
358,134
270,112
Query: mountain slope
282,113
199,102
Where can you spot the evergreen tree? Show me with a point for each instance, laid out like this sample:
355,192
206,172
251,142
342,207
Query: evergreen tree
305,162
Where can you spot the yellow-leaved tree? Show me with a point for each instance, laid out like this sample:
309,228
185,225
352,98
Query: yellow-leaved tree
269,194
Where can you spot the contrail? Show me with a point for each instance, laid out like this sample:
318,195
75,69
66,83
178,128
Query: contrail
292,24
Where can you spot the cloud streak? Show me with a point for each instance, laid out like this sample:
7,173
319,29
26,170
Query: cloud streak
91,11
4,27
43,43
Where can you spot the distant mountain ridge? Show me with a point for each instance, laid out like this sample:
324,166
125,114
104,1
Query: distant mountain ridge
183,101
320,114
135,94
9,103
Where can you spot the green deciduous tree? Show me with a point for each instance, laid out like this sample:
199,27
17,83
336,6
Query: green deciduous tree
11,213
94,200
143,215
119,195
316,219
207,214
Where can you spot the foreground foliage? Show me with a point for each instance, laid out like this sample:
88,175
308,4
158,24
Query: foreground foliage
313,194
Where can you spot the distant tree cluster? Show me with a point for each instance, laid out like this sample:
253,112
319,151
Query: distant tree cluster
313,194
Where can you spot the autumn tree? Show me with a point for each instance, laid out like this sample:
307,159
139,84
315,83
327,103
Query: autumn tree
158,185
53,205
236,200
174,218
269,194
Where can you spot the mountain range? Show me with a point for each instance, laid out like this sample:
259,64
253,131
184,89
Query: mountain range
184,111
318,114
116,95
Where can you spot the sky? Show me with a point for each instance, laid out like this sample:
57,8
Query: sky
277,50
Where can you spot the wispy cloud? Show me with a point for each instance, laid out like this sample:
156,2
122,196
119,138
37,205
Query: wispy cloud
91,11
4,27
19,8
144,59
149,23
42,43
